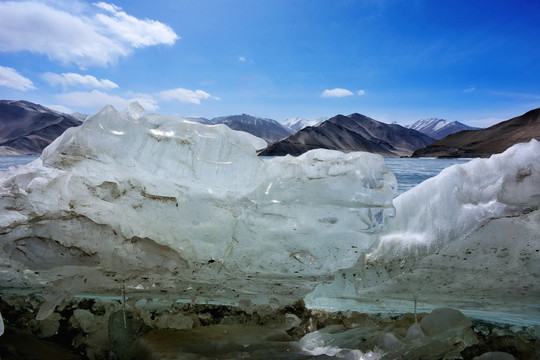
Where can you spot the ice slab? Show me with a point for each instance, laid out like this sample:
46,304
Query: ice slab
162,205
468,238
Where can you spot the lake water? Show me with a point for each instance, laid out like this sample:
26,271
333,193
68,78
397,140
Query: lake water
408,171
412,171
7,161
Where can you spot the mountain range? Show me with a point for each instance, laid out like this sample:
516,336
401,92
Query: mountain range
267,129
355,132
439,128
298,123
27,128
485,142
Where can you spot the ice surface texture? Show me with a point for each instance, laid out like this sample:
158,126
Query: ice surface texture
164,205
467,238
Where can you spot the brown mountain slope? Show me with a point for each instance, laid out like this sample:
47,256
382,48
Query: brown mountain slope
27,128
351,133
486,142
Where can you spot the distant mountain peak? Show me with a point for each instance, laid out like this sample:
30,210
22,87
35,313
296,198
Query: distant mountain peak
267,129
439,128
355,132
299,123
485,142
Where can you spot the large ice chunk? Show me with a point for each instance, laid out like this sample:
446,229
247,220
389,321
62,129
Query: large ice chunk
164,205
467,238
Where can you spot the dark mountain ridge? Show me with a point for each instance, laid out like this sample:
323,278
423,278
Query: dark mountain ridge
267,129
355,132
27,128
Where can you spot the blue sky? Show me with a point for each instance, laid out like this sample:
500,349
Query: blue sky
474,61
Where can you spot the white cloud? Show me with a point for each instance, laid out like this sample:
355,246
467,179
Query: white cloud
185,95
98,36
10,78
60,108
108,7
127,28
337,92
73,79
97,99
518,95
471,88
241,59
361,92
147,101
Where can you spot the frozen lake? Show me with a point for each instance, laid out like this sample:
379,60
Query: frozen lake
412,171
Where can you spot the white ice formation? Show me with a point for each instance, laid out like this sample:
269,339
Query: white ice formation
467,238
442,334
162,205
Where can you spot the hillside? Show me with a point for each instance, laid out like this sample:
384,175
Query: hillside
485,142
355,132
27,128
267,129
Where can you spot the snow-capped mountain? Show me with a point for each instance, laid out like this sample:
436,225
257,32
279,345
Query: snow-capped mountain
298,123
439,128
355,132
486,142
267,129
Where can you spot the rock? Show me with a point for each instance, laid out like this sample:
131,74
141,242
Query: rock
50,325
444,320
495,355
122,336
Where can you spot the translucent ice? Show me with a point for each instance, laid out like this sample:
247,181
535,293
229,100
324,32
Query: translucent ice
164,205
467,238
445,332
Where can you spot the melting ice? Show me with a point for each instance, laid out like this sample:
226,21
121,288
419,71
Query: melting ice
160,204
160,207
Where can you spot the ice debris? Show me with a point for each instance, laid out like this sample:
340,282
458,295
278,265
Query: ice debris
467,238
94,327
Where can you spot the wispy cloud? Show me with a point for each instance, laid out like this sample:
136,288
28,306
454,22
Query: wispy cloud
518,95
60,108
337,92
185,95
241,59
471,88
73,79
10,78
97,99
128,29
98,36
361,92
